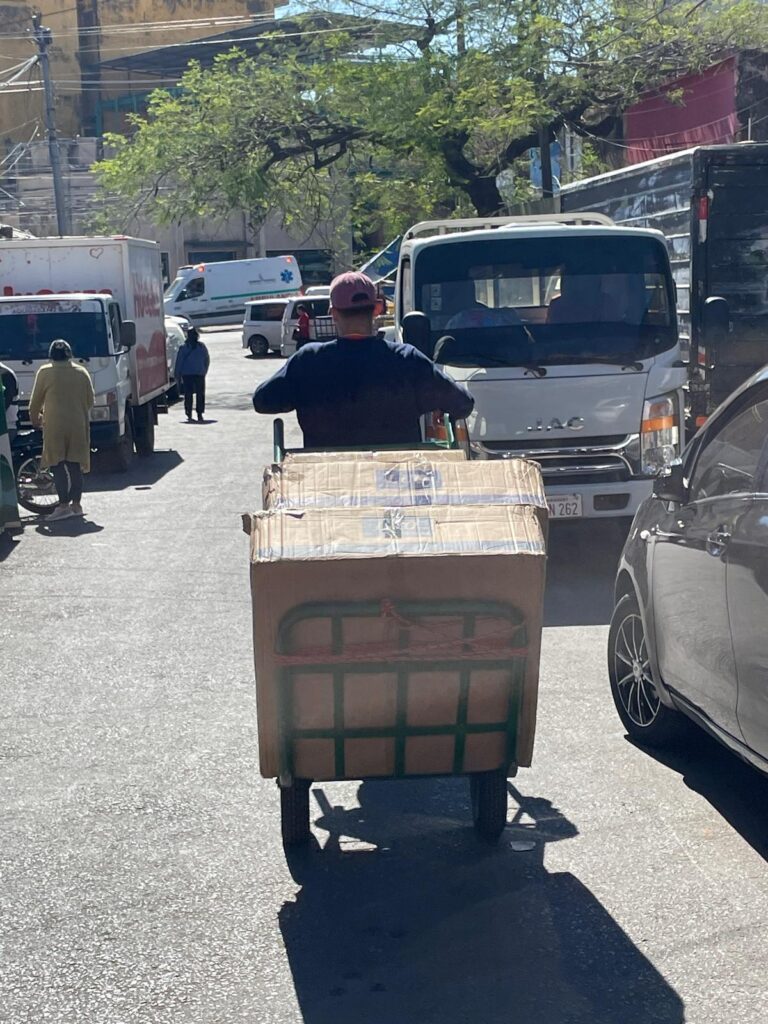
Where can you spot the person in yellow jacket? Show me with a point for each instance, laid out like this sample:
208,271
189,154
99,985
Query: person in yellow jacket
61,402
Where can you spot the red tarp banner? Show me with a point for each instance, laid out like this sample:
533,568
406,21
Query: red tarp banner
704,114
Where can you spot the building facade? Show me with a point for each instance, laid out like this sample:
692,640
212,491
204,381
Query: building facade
107,56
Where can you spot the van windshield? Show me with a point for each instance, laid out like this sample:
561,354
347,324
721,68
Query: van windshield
171,289
570,298
28,328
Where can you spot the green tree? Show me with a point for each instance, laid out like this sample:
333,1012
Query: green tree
408,111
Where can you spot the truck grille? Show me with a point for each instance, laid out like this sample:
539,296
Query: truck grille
583,460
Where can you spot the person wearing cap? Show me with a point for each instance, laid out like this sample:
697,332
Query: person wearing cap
61,401
359,390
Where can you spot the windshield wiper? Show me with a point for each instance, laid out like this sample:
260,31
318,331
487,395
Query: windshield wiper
624,361
535,369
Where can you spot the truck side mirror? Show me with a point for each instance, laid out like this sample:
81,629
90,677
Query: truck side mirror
716,320
670,484
417,331
127,333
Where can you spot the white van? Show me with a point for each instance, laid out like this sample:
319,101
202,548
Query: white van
320,323
263,326
216,293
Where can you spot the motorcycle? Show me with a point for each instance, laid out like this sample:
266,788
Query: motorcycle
35,487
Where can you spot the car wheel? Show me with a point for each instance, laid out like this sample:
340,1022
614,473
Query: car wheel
259,346
634,692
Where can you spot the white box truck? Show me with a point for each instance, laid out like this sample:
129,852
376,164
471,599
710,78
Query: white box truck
210,294
104,296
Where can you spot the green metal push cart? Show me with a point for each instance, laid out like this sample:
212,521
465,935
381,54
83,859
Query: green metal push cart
466,641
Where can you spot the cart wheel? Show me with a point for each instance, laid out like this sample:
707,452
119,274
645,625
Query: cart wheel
294,812
488,791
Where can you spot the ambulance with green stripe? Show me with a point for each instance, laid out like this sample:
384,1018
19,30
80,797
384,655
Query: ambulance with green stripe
210,294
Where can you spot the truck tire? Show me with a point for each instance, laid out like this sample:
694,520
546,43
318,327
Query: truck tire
120,458
144,429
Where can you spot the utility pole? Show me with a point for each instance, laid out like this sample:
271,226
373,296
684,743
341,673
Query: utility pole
44,38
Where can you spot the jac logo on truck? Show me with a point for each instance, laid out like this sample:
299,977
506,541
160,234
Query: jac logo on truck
9,291
574,423
146,297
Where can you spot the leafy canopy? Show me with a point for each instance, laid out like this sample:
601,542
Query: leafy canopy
410,110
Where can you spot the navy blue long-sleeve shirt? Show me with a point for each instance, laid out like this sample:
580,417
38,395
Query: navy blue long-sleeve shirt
361,393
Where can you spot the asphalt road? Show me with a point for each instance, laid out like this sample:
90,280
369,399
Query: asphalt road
142,877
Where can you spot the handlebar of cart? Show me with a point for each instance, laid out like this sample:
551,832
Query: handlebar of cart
455,438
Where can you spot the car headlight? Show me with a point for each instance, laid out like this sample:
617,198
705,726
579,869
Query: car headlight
660,433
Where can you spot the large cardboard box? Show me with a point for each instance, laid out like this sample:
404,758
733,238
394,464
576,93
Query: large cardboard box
457,591
434,455
399,482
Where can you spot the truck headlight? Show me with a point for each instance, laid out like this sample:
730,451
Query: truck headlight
660,433
105,407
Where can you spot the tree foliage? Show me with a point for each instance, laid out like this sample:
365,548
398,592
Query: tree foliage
321,123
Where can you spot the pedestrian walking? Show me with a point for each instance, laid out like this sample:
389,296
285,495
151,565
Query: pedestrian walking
61,401
301,336
192,364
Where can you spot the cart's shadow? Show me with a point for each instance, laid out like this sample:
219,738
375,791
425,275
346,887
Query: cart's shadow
406,918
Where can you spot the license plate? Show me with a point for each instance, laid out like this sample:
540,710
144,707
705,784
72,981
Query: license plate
565,506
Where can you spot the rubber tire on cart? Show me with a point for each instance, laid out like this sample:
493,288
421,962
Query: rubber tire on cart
259,346
119,458
144,426
294,812
488,792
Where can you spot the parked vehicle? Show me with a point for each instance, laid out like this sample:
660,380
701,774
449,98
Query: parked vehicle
216,293
564,330
104,296
688,635
317,306
263,326
711,203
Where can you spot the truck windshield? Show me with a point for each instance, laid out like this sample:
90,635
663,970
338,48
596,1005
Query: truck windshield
27,330
570,298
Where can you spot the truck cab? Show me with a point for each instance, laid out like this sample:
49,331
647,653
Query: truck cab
101,341
564,330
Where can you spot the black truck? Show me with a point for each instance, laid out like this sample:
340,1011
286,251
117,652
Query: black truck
711,203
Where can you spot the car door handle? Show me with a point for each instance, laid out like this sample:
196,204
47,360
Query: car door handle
717,541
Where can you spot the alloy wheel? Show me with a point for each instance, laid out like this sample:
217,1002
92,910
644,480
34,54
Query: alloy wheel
634,682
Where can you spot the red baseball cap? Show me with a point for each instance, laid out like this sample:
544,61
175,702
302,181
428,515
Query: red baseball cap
351,291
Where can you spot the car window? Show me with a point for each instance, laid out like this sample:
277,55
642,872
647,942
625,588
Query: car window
729,461
268,312
319,307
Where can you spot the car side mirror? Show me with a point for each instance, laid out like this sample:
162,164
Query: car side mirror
127,333
716,320
670,484
417,331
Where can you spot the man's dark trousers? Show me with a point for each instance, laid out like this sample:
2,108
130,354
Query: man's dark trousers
194,387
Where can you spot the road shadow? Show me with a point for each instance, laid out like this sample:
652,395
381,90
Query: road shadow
736,791
233,400
74,527
8,544
144,472
405,917
581,571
